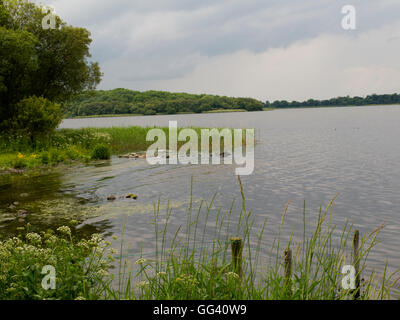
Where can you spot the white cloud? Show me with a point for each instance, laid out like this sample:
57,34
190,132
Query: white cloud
268,49
323,67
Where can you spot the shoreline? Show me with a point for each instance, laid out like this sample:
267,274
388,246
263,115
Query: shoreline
160,114
222,111
75,146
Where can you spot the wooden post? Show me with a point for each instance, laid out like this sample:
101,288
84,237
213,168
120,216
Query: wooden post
287,253
237,249
356,263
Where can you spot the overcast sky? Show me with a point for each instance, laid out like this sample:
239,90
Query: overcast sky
265,49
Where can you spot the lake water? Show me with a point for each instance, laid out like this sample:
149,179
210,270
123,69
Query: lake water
301,155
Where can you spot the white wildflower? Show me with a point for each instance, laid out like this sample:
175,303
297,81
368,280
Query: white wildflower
142,284
64,230
140,261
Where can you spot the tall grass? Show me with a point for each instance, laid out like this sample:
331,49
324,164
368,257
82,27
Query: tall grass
186,266
133,139
67,145
214,254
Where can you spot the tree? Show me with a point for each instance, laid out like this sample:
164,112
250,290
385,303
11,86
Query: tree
52,63
150,102
17,63
4,15
36,117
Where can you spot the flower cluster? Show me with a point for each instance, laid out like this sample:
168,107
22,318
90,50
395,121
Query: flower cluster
140,261
79,265
232,275
64,230
186,280
142,284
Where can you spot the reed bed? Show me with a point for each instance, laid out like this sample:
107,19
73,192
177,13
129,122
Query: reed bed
227,263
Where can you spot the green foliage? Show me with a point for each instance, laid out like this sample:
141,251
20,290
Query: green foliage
45,158
101,152
123,101
374,99
80,266
36,62
195,263
36,117
4,15
17,62
65,145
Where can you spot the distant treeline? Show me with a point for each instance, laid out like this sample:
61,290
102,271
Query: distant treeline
340,101
123,101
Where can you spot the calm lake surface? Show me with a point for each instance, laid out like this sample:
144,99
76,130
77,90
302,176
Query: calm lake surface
301,155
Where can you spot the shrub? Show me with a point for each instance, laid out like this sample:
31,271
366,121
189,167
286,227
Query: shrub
101,152
72,153
55,156
36,117
19,162
79,265
45,157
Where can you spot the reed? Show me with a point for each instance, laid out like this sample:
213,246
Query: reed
228,266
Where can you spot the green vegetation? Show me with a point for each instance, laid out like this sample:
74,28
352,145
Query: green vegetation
101,152
63,146
187,266
196,262
80,266
374,99
35,117
45,74
123,101
68,145
39,69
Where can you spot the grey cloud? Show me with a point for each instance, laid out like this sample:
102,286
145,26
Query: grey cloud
139,42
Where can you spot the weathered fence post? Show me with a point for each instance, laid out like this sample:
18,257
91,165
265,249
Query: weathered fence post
356,263
237,249
287,254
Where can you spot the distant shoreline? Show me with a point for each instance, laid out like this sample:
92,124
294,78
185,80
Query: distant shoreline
222,111
160,114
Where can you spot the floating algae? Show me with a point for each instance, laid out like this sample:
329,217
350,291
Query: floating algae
45,214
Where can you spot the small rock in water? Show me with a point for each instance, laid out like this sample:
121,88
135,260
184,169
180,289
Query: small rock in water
111,198
24,195
16,203
132,155
11,207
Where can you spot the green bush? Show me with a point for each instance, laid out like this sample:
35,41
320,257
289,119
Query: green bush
45,157
55,156
36,117
79,266
72,154
101,152
19,164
